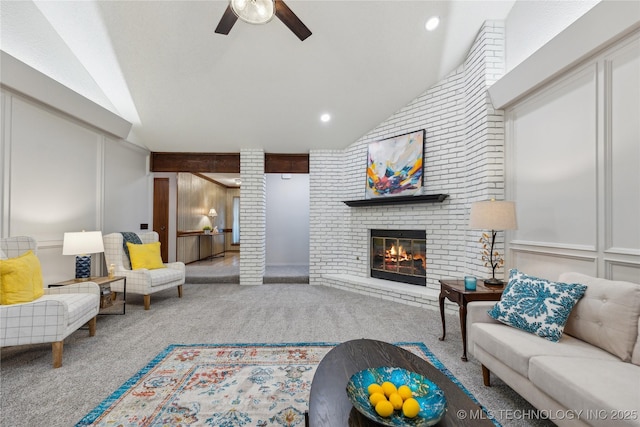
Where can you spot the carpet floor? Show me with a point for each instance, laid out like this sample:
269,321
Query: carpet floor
33,394
226,269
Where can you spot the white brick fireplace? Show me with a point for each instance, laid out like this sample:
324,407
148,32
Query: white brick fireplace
463,158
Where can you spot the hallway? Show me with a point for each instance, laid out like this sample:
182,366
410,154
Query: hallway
226,269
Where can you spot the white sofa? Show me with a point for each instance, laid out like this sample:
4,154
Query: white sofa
142,281
591,376
50,318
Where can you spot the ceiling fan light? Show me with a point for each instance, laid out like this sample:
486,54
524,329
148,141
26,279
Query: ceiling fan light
432,23
253,11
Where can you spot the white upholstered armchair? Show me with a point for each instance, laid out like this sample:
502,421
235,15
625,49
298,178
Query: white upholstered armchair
51,317
142,281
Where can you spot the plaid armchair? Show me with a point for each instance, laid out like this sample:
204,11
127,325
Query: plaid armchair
142,281
53,316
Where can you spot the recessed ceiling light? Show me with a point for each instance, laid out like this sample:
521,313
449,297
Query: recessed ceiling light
325,117
432,23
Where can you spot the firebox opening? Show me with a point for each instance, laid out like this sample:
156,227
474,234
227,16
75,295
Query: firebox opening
399,255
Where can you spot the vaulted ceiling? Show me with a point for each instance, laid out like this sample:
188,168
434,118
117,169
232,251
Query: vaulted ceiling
161,66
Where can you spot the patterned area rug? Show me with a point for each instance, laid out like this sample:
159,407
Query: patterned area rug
223,385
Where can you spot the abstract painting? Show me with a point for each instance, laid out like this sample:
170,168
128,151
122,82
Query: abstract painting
394,166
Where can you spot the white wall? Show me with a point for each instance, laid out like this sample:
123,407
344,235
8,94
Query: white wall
573,155
287,220
531,24
59,175
126,178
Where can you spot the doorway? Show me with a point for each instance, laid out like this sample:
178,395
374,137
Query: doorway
161,214
287,220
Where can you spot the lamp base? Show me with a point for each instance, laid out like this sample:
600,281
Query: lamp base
83,267
493,283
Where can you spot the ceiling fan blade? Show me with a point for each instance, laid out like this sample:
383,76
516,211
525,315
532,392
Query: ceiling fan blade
226,22
290,19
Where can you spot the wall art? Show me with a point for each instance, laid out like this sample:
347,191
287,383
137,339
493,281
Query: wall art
394,166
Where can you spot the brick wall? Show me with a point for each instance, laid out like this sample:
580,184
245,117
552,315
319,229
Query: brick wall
252,217
464,157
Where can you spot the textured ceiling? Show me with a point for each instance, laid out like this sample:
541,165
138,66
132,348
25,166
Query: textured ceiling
160,65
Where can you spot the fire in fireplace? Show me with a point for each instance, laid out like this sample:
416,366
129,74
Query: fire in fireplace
399,255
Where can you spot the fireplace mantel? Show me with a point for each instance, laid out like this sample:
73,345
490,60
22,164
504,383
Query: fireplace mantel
400,200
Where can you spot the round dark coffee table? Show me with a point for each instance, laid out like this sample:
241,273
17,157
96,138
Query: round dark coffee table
329,405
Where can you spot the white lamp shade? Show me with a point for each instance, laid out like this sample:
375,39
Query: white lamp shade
493,215
212,212
253,11
81,243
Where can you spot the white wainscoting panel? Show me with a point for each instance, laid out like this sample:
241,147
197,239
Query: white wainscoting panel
53,181
128,187
551,263
623,155
573,169
58,268
55,174
553,152
620,270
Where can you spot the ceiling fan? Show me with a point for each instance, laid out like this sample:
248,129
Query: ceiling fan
261,12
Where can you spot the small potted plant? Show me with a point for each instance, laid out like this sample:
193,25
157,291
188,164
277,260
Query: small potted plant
206,229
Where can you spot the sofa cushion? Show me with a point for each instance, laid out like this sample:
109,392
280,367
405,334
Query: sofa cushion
145,256
607,316
600,388
515,348
537,305
20,279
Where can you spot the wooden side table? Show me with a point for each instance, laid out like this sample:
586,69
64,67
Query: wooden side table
454,291
105,283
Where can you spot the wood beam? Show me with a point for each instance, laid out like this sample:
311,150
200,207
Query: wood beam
286,163
225,162
195,162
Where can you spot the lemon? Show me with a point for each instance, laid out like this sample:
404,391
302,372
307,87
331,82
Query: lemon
374,388
376,397
405,392
384,408
389,388
396,400
410,408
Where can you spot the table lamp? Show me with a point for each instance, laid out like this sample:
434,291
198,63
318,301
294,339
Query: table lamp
213,214
82,244
495,216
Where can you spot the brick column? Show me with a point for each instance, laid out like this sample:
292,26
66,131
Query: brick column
484,135
252,217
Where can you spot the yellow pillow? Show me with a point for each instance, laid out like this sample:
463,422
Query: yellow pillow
20,279
145,256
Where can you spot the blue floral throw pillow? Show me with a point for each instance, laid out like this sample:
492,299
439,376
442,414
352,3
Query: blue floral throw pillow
537,305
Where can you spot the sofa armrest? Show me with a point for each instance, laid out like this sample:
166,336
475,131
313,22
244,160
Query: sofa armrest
477,312
19,321
75,288
176,266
